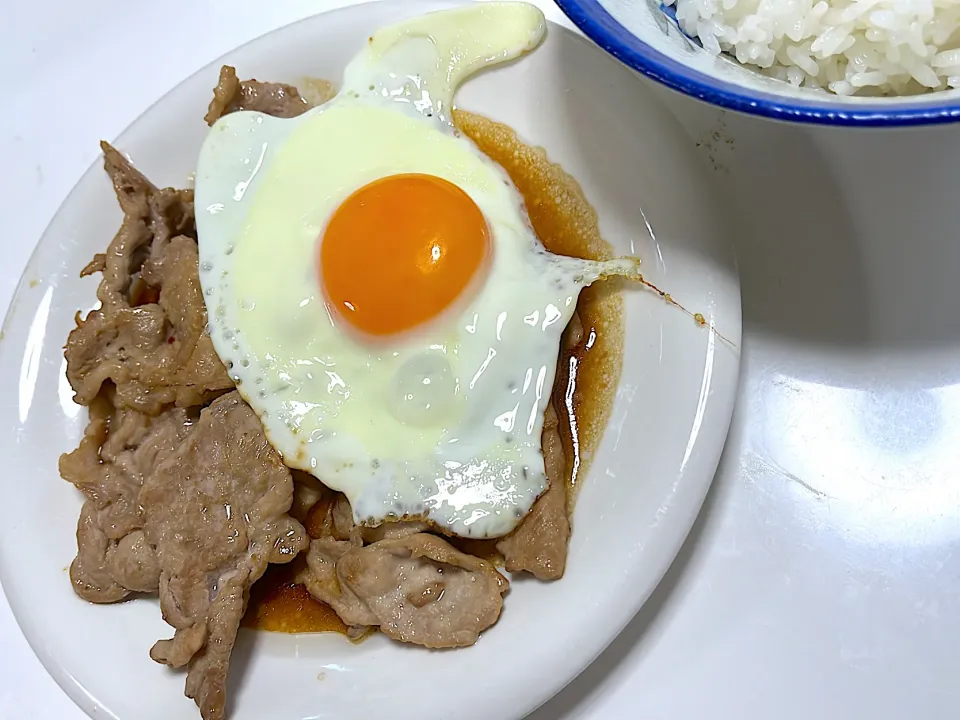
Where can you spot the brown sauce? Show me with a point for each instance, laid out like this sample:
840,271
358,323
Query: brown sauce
587,373
279,604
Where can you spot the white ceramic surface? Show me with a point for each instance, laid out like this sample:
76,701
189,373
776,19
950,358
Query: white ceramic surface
644,490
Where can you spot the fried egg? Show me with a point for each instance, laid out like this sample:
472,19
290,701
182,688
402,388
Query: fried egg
375,288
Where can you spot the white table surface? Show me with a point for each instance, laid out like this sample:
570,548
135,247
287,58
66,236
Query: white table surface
820,580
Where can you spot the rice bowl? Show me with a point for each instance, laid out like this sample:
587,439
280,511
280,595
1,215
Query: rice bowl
866,47
873,86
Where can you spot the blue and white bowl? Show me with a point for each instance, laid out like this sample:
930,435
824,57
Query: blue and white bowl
644,35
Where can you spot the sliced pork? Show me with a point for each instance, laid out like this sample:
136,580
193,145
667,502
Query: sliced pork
216,511
539,544
231,94
417,588
148,338
119,449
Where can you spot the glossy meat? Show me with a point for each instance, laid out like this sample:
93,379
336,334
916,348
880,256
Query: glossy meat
158,352
231,94
119,449
539,545
216,511
417,588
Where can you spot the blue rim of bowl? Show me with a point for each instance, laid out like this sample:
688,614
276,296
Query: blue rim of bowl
601,27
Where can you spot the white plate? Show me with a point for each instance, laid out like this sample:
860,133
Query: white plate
644,489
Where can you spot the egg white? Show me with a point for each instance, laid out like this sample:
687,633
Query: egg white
442,423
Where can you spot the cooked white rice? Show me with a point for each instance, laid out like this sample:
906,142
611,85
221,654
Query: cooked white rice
851,47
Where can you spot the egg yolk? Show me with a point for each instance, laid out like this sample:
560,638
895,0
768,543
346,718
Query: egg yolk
400,250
